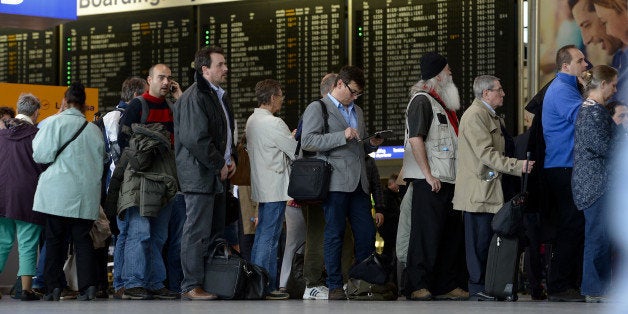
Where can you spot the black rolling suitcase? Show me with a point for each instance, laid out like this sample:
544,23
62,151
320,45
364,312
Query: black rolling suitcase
501,268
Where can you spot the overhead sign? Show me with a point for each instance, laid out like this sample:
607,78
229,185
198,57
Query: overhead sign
50,98
45,8
36,14
92,7
388,152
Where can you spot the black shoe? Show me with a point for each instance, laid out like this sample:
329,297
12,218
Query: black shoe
87,295
569,295
138,293
481,296
164,294
29,296
55,295
538,294
102,294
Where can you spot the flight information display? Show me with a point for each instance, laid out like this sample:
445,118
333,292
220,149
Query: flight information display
29,57
476,36
293,42
103,50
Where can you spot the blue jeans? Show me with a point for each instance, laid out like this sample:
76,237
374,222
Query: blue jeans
118,253
596,270
356,206
143,264
270,223
175,231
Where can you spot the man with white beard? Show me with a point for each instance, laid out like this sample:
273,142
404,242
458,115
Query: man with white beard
435,263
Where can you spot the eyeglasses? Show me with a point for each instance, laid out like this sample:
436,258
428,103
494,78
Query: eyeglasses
353,92
499,90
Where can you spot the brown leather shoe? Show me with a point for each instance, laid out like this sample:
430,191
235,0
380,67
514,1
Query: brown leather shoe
454,295
198,294
421,295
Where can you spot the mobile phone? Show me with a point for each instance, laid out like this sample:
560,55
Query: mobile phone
173,88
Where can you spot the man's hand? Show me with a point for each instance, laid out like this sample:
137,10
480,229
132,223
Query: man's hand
379,219
223,172
433,182
231,169
376,141
351,133
175,89
527,166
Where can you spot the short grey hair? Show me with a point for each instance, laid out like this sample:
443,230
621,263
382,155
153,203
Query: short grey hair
482,83
27,104
327,83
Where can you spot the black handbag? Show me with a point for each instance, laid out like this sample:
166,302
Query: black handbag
296,283
371,270
310,177
257,282
231,277
224,273
508,221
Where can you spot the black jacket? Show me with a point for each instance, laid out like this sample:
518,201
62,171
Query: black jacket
200,137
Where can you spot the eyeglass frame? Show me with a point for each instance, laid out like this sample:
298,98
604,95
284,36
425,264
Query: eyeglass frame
353,93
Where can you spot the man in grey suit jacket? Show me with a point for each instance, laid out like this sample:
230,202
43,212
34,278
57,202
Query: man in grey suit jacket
349,189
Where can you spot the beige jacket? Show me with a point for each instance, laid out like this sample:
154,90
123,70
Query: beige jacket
271,147
481,148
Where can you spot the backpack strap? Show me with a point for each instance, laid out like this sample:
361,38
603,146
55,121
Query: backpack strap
145,110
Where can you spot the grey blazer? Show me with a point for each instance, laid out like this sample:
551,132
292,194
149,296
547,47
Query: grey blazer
347,158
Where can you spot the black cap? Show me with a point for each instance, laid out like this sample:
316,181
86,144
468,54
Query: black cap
432,64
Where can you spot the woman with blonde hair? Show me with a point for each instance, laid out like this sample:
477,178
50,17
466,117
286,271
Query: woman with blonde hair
595,132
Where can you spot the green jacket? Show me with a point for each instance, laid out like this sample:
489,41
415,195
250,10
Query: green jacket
149,180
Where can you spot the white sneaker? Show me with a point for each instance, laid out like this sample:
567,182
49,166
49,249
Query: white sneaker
316,293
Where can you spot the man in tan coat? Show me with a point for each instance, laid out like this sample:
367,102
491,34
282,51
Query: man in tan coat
481,162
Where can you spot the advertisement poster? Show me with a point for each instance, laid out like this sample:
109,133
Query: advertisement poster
599,28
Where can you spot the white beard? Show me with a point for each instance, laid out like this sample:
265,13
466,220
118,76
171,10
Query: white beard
448,93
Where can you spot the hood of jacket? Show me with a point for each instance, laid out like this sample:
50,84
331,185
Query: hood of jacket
18,130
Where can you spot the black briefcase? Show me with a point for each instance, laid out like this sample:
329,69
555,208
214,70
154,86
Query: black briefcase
225,274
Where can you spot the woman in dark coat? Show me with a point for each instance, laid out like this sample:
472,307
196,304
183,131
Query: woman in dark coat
18,181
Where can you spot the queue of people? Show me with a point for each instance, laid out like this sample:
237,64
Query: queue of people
161,168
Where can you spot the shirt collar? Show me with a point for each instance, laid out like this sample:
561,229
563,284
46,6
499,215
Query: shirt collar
338,104
488,106
24,118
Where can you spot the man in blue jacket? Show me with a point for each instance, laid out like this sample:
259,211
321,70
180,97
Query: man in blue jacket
560,109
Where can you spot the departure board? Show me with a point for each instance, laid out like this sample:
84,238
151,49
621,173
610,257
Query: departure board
103,50
476,36
293,42
29,57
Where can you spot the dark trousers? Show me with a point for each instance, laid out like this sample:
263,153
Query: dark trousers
436,244
565,271
338,207
205,221
313,263
478,234
57,230
534,262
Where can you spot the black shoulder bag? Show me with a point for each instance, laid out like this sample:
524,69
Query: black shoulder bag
508,221
310,177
